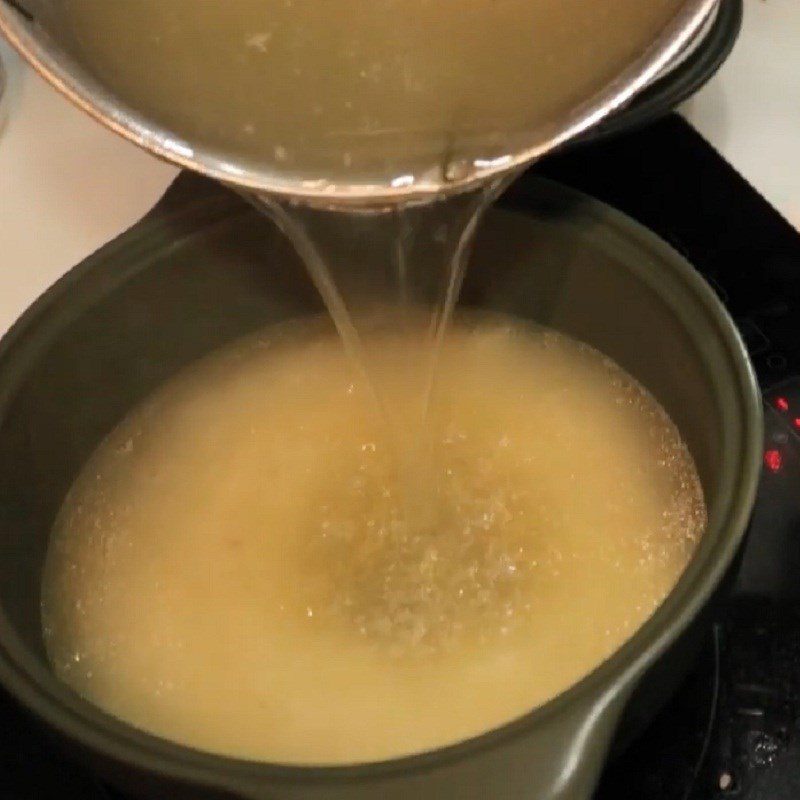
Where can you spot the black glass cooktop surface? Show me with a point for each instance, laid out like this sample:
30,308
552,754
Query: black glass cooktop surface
733,730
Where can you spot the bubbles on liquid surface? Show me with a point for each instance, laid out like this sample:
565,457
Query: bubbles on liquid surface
379,602
416,587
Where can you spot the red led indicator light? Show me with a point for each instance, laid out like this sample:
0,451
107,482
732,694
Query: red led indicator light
773,460
782,404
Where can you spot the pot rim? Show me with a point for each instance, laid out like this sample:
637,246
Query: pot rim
79,720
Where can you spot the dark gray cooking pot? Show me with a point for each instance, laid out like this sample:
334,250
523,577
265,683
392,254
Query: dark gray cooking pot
202,270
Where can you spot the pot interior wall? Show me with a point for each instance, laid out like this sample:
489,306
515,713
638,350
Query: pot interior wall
179,285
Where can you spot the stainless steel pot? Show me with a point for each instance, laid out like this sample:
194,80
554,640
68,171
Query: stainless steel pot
46,49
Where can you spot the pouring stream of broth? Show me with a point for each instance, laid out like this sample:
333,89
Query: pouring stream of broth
389,91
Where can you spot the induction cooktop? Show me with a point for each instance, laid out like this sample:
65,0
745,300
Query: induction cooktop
733,729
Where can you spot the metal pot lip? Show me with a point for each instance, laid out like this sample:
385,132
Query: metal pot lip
694,42
76,719
87,93
685,77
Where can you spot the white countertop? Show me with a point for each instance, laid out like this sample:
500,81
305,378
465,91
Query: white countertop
67,185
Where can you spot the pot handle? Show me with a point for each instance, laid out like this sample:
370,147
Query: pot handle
560,759
579,745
